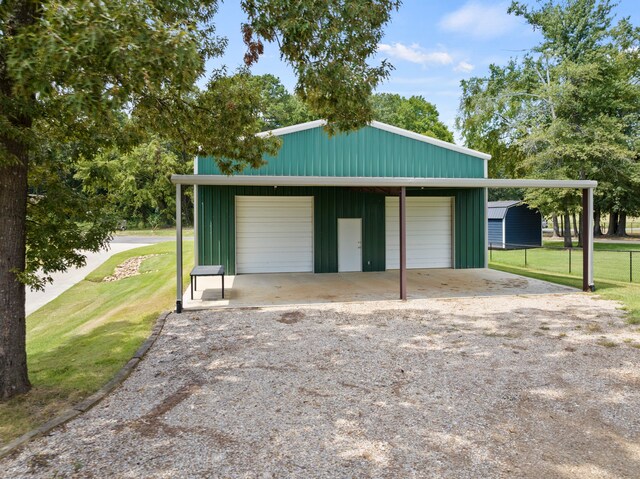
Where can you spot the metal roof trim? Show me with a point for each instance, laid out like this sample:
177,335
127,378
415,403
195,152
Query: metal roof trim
258,180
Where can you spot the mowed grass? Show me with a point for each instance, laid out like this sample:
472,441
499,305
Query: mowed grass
77,342
610,267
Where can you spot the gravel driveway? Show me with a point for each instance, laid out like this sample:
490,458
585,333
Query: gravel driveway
537,386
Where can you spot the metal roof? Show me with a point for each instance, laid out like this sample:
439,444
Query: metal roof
497,210
389,182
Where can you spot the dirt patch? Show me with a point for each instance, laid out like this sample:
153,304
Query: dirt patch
128,268
152,424
291,317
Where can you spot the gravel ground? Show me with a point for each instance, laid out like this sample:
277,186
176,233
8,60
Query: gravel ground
537,386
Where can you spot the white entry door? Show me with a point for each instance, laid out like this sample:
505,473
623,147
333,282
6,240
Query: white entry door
349,244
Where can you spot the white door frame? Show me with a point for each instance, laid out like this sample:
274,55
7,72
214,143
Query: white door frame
341,267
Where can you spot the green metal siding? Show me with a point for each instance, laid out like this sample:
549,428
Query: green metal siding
469,224
216,223
368,152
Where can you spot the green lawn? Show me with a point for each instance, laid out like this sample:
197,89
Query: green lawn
610,261
77,342
611,270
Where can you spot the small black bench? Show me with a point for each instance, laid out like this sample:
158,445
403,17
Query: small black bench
207,270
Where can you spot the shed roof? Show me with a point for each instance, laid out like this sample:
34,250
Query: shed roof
497,210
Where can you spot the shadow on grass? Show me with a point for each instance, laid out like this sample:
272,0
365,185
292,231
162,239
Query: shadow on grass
63,376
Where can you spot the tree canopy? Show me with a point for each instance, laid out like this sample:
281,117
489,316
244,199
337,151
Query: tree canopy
71,71
567,109
414,114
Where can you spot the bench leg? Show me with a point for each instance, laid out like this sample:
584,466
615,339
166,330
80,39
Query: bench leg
223,286
191,287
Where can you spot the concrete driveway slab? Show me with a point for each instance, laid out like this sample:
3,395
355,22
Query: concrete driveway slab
249,290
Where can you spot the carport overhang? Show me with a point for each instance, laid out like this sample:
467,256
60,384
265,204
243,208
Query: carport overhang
400,185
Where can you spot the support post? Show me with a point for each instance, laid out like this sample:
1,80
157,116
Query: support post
587,240
403,243
196,253
590,228
487,246
178,248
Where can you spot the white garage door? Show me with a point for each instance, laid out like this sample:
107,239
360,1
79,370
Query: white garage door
274,234
429,230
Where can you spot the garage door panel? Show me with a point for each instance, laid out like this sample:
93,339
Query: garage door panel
429,236
274,234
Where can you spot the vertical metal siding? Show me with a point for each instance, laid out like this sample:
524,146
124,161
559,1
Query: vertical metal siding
217,223
367,152
523,226
495,232
470,224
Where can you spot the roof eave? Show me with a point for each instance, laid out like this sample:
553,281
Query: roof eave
393,182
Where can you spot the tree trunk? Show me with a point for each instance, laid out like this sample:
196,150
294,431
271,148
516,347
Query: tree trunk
13,208
597,228
576,229
613,223
567,231
14,164
556,226
622,225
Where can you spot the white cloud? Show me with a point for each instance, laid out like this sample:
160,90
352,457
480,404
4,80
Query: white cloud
415,54
480,20
464,67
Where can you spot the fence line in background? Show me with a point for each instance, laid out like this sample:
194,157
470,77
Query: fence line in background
519,247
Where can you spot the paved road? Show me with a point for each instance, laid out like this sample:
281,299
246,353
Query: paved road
63,281
147,239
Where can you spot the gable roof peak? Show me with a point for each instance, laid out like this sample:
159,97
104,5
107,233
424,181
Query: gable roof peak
385,127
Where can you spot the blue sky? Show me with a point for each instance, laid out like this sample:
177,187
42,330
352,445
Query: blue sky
432,45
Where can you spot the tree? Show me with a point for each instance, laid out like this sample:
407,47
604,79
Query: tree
135,185
414,114
281,108
568,109
69,69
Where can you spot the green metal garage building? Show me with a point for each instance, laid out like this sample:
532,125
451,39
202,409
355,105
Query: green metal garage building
376,199
326,229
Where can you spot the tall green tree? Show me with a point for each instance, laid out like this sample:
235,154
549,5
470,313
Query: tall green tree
568,108
280,108
413,114
135,185
70,68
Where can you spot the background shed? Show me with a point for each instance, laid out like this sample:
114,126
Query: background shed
512,224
